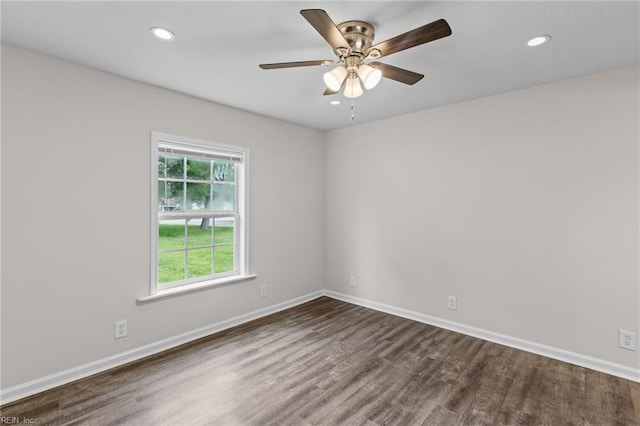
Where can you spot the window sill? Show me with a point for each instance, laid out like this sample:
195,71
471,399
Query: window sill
195,287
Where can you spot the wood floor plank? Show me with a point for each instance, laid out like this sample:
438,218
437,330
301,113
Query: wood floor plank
327,362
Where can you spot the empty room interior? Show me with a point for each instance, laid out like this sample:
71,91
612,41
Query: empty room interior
320,213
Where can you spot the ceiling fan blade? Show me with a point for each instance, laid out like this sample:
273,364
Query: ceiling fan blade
320,20
397,74
328,92
294,64
424,34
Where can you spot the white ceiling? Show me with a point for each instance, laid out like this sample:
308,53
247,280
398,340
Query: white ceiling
219,45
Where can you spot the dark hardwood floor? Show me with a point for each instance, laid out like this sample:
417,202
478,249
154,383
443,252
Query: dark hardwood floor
331,363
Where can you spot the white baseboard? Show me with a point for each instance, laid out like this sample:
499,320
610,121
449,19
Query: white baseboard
603,366
33,387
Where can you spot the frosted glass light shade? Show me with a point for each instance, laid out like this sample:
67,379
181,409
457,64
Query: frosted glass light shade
369,76
353,89
334,78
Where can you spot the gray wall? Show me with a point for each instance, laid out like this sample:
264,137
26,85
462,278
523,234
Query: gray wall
75,218
524,205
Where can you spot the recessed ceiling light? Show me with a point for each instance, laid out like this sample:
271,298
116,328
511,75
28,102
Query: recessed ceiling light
162,33
335,102
538,40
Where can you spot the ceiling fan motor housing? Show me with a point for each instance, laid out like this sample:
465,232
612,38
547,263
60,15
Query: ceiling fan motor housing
359,35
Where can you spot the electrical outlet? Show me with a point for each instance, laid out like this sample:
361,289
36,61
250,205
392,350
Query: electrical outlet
452,303
263,290
120,329
627,340
352,281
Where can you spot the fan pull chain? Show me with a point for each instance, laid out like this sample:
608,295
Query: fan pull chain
353,114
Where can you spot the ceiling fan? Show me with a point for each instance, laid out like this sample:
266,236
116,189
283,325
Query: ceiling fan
352,42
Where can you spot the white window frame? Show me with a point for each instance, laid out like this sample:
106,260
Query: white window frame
241,215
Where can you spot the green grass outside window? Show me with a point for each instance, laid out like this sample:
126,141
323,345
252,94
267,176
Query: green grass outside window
171,264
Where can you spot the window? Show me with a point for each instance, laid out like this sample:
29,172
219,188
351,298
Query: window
199,220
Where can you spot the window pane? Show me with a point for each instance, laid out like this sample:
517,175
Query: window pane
170,267
175,167
198,195
224,231
200,233
224,259
174,196
161,166
171,234
162,200
199,169
224,172
224,197
199,262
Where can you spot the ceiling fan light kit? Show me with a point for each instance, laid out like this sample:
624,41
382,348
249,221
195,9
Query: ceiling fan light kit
352,42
